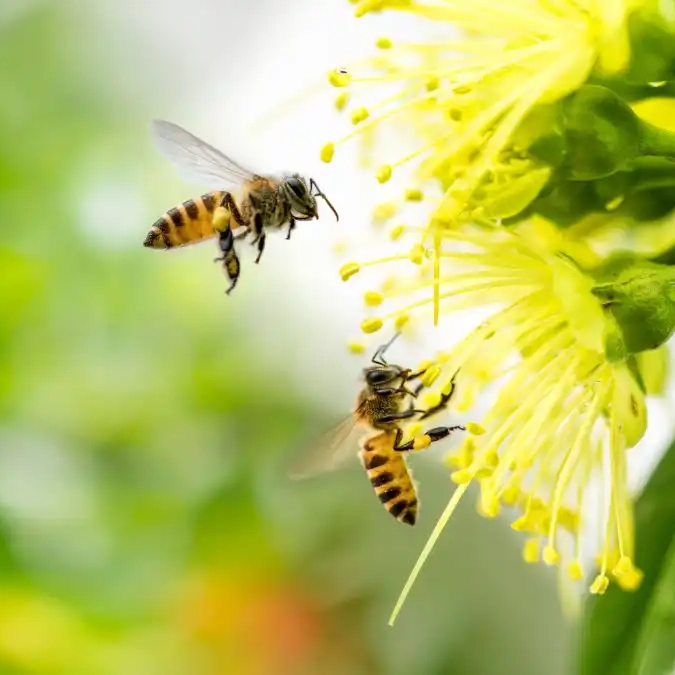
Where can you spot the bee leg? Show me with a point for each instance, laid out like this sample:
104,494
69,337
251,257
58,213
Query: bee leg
443,403
291,227
261,247
228,202
260,235
395,417
424,440
229,258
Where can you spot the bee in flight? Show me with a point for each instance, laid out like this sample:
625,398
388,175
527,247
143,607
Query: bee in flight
380,408
251,202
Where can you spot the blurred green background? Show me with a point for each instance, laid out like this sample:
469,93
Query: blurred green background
147,525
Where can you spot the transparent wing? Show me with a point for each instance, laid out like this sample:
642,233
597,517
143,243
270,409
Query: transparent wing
331,450
196,160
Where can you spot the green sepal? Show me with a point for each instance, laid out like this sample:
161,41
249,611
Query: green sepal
640,295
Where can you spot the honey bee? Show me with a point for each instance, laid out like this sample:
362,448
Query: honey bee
262,202
380,408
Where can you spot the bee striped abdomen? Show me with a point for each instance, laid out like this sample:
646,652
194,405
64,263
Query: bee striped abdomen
390,478
188,223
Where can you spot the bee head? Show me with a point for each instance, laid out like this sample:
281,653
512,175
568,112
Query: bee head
381,376
301,195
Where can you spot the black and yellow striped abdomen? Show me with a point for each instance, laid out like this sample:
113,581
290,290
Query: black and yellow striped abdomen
188,223
389,476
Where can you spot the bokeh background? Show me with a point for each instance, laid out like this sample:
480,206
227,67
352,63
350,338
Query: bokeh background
147,523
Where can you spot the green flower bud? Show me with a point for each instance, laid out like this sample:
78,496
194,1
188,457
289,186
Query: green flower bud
603,135
640,296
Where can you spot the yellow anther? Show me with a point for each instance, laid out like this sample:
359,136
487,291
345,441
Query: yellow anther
401,320
430,375
356,347
327,153
631,580
624,566
523,524
414,195
349,270
341,100
489,503
373,298
550,556
575,571
359,114
383,173
455,114
510,495
371,325
384,212
475,429
463,89
432,83
531,551
339,77
462,477
424,365
431,399
384,43
397,232
599,585
416,254
492,459
221,219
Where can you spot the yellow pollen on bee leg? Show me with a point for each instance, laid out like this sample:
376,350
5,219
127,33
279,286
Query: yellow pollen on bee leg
221,219
421,442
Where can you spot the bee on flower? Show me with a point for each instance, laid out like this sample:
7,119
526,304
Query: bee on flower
535,147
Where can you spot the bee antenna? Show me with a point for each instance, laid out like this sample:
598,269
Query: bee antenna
319,193
378,357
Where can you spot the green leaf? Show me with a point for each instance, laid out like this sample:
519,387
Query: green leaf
627,633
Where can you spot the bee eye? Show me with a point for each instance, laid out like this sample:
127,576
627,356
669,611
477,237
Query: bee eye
297,187
377,377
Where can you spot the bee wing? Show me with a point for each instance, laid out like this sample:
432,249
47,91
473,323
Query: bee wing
196,160
331,450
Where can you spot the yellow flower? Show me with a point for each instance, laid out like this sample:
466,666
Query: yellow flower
466,98
564,414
